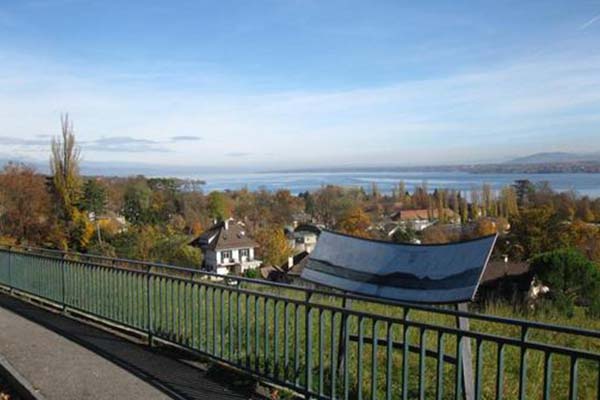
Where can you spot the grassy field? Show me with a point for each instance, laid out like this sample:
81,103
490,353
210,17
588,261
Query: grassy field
266,334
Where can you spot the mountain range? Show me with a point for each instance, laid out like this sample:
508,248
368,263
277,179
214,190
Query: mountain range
556,157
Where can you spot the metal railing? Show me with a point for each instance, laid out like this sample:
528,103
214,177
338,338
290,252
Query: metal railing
319,343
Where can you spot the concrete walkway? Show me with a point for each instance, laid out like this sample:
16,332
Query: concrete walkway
65,359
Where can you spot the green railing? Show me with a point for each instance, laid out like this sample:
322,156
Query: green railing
318,343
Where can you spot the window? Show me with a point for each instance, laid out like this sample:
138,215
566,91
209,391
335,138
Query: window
225,255
244,253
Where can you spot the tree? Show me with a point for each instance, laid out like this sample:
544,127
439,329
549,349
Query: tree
66,187
534,231
436,234
401,193
584,210
355,222
508,199
421,196
584,237
274,247
218,207
136,203
405,234
331,202
94,196
523,189
464,210
64,165
24,204
284,206
484,227
571,277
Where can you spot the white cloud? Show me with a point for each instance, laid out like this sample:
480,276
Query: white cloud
457,118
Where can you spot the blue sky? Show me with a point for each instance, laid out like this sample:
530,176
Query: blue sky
300,83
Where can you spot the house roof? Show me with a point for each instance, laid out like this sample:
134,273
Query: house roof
224,236
411,215
308,228
497,270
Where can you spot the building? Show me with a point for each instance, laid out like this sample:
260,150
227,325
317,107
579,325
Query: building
227,248
423,218
303,238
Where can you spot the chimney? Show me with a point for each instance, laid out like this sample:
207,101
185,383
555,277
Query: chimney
290,262
226,223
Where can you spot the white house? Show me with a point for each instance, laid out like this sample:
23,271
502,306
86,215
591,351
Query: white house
227,248
303,238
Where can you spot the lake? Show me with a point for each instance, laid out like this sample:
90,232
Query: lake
296,182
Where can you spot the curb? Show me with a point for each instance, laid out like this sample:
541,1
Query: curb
17,382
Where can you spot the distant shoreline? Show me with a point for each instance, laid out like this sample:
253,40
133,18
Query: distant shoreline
541,168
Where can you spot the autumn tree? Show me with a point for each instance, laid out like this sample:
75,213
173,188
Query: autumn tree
274,248
64,166
67,189
24,204
355,222
218,206
484,227
508,200
436,234
284,206
584,210
534,231
331,202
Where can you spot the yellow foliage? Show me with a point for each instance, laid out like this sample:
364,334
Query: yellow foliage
7,241
485,227
82,229
274,246
109,226
197,228
355,222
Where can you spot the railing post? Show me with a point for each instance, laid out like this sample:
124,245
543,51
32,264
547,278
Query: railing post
10,282
63,285
308,339
466,355
149,306
523,363
346,304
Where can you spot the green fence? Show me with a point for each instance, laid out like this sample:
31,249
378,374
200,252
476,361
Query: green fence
318,343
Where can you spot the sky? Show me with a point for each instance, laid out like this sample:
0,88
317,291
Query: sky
300,83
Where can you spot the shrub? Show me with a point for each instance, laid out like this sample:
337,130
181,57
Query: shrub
252,273
571,277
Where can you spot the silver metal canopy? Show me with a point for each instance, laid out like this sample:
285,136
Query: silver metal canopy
446,273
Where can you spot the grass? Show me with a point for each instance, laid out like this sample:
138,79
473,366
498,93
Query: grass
268,336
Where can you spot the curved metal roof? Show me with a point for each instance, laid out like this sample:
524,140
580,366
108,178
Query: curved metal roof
447,273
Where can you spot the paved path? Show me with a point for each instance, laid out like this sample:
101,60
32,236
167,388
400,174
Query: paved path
65,359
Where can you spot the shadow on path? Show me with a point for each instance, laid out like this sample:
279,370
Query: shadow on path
175,378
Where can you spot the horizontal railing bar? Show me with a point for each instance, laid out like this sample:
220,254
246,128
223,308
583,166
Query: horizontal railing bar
400,345
415,306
